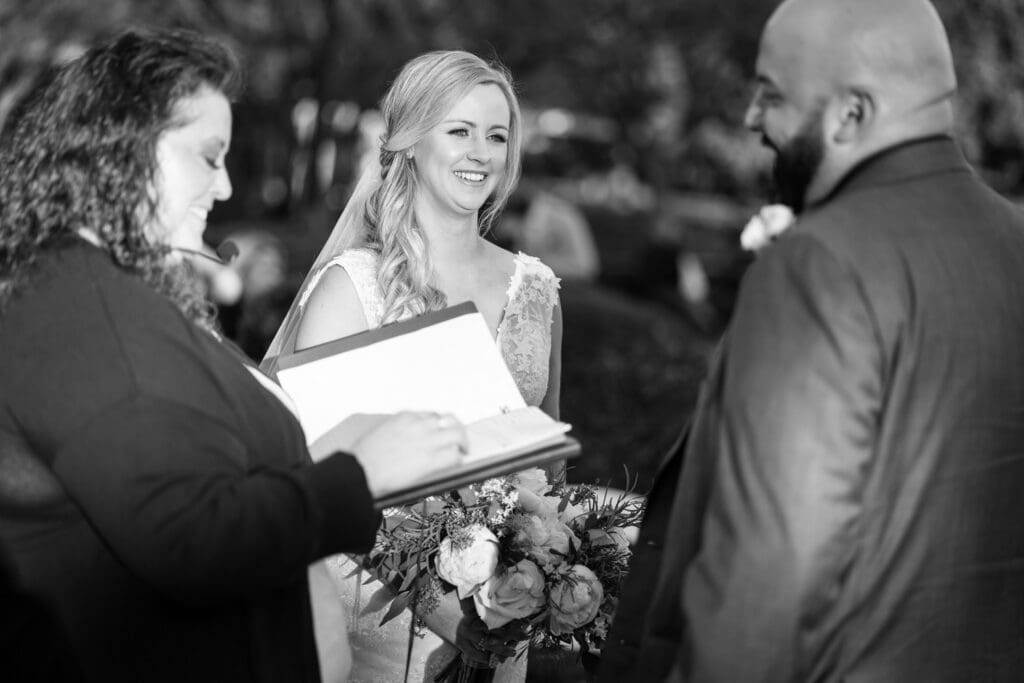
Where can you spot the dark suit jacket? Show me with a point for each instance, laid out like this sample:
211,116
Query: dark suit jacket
153,495
33,647
851,489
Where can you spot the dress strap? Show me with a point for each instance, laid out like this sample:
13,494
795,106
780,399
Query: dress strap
361,265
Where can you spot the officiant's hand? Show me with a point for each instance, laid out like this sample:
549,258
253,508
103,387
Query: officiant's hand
399,451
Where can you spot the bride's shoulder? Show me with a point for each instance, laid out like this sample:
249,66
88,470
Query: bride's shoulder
353,269
498,259
533,281
360,263
517,263
533,267
356,256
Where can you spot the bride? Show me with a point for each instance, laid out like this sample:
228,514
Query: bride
411,241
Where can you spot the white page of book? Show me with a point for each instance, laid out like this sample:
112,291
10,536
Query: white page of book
452,366
513,432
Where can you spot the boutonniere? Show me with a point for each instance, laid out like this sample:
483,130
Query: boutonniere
766,225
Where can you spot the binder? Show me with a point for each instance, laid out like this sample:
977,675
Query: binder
444,361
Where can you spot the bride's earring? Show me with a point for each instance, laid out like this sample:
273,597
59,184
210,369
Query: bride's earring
408,154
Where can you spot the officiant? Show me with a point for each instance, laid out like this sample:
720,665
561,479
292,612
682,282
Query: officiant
156,493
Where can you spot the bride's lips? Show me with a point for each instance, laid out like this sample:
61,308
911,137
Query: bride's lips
472,177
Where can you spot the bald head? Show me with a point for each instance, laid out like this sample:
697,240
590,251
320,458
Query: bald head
896,51
874,72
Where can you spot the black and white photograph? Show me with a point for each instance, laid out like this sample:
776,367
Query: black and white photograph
511,341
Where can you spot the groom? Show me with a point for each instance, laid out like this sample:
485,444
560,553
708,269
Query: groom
847,504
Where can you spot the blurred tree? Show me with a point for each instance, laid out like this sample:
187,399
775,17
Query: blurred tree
34,35
988,47
672,76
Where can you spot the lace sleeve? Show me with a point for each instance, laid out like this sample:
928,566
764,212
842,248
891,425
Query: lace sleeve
526,328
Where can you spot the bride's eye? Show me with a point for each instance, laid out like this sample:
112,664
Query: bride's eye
459,132
499,137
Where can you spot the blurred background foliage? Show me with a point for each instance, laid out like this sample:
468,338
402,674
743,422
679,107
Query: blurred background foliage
671,77
634,110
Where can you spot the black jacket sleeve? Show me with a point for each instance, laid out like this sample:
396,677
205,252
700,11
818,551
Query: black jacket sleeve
167,488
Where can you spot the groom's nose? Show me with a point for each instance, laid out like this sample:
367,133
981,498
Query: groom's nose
752,118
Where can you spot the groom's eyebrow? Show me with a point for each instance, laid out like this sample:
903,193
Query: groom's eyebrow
764,84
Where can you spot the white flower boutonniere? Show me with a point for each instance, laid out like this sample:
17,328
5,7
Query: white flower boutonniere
767,224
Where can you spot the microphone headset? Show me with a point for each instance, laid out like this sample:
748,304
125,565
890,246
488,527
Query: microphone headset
227,251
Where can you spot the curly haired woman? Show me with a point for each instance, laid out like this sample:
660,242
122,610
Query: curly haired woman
156,492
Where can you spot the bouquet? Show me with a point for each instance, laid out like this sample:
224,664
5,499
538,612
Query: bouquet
546,559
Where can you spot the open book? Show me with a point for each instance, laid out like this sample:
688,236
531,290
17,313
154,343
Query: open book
444,361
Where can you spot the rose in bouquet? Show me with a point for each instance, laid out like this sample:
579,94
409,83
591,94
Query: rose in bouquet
515,593
538,559
575,600
468,558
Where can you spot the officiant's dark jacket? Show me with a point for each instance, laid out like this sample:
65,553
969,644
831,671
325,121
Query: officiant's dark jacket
155,499
848,504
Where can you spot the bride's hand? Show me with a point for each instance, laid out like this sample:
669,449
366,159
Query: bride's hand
399,451
479,643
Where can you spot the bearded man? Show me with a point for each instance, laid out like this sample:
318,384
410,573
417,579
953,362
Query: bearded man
845,505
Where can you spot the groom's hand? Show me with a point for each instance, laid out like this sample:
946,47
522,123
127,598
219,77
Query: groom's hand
403,448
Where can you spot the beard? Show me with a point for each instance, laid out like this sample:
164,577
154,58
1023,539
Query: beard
797,162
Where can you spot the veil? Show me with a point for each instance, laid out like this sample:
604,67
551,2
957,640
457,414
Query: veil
348,232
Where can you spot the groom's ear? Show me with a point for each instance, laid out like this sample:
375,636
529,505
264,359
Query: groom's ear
855,113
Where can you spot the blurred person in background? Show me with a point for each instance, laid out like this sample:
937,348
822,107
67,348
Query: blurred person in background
554,230
156,493
846,506
411,240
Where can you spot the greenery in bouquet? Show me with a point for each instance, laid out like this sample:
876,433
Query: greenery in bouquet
547,557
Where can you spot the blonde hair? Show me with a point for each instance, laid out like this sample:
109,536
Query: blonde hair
426,89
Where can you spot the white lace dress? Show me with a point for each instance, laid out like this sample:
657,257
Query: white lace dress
524,337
